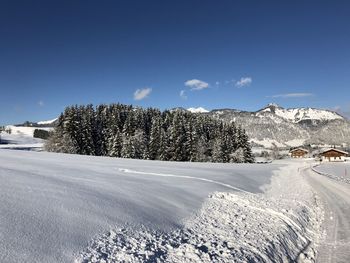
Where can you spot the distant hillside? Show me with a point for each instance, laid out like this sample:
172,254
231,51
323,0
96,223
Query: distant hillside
48,123
289,127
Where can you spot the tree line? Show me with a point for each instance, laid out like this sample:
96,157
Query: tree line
125,131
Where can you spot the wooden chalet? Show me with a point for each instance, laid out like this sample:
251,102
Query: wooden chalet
333,155
299,153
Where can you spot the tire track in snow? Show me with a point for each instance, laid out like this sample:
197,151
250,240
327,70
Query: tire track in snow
185,177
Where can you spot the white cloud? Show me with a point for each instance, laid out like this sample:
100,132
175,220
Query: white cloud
243,82
291,95
343,112
196,84
337,108
40,103
183,94
141,94
346,114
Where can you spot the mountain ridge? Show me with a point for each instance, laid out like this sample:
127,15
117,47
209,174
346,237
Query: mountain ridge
291,127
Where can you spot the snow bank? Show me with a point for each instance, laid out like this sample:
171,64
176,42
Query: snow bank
281,225
336,171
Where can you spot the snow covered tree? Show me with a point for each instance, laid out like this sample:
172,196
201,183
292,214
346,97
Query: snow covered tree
87,114
119,130
115,144
191,140
217,156
237,156
101,133
59,141
155,139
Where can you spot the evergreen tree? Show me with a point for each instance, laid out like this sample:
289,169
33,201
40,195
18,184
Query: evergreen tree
101,132
155,139
87,127
217,155
120,130
191,140
115,144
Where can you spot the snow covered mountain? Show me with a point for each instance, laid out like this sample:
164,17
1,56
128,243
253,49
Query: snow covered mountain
47,122
197,110
39,124
289,127
300,114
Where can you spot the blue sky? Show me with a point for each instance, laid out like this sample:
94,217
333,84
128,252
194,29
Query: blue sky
214,54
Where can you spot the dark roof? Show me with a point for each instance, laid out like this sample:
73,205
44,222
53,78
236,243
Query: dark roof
333,149
299,149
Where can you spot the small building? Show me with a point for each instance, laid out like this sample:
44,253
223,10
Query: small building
299,153
333,155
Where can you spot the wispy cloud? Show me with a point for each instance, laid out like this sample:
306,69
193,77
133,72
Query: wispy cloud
291,95
346,114
336,108
196,84
141,94
343,112
183,94
41,103
243,82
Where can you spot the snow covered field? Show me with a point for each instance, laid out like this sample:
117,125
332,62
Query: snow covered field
21,138
65,208
27,131
230,227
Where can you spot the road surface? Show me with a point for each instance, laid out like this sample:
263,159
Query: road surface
335,195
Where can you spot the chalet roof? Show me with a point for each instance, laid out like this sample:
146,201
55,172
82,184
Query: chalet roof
333,149
299,149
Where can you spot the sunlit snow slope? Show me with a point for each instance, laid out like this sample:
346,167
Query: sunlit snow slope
53,205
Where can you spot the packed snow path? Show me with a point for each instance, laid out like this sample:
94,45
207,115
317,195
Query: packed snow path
336,197
53,205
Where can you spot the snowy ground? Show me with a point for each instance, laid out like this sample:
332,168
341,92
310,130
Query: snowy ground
230,227
21,139
64,208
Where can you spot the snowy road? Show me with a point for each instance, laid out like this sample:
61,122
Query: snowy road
336,198
52,205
